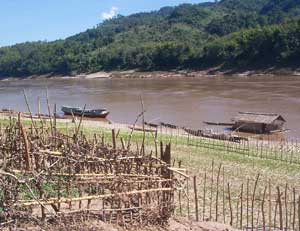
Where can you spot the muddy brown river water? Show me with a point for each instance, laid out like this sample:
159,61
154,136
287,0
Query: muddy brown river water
181,101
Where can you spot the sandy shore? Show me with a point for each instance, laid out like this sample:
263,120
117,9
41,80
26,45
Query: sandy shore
134,74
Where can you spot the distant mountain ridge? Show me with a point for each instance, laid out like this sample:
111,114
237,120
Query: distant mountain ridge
187,36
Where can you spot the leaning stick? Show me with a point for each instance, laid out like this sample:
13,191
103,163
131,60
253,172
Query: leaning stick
113,133
37,201
29,110
132,129
27,153
252,203
143,124
81,118
49,110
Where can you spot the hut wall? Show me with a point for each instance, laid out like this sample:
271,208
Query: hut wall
276,125
249,127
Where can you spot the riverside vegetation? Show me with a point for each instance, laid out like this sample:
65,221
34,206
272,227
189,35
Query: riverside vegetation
229,33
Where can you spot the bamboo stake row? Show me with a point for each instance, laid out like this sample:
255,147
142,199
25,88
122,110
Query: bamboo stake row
258,205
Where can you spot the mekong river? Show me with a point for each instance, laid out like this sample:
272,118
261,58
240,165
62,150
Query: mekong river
180,101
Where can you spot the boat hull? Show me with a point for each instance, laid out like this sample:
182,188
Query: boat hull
98,113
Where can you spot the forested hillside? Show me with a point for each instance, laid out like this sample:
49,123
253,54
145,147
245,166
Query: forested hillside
277,45
226,33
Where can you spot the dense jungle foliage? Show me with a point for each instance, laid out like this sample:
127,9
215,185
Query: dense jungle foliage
226,33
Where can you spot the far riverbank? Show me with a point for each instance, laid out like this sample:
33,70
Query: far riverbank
135,74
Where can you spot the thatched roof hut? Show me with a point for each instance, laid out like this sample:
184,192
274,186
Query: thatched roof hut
258,122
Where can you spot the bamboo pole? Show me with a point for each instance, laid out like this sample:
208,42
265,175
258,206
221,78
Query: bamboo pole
113,133
299,212
26,144
241,209
223,195
123,143
263,209
211,190
286,206
196,198
180,204
280,209
30,113
217,196
49,110
294,209
275,214
230,206
42,207
94,197
270,206
143,124
204,195
253,203
188,197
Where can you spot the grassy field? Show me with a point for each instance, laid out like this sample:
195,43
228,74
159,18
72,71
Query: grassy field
216,166
197,156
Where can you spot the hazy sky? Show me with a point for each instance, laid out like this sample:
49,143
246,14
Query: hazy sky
31,20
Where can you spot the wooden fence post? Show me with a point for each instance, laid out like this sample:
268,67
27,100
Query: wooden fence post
294,209
217,196
196,198
270,206
122,143
113,132
223,194
253,203
280,209
230,206
211,190
179,193
241,218
247,191
204,195
188,197
299,212
263,209
285,206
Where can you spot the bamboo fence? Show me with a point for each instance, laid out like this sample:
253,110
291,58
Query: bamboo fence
45,174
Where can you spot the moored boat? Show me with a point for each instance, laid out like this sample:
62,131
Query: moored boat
78,111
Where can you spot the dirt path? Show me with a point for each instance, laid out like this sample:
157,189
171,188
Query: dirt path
175,224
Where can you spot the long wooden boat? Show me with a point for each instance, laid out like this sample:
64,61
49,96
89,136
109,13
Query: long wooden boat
168,125
216,136
218,123
78,111
151,124
140,129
